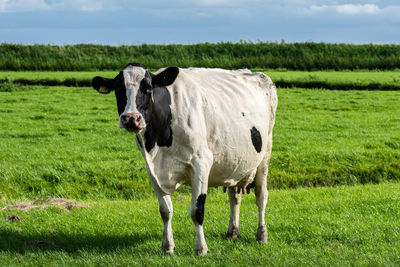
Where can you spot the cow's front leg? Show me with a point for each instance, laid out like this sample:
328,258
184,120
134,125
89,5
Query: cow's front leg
197,214
166,210
199,194
235,197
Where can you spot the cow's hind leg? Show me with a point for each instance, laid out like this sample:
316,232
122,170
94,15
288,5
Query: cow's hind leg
262,194
235,197
201,168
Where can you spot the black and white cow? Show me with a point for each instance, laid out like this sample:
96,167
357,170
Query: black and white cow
203,127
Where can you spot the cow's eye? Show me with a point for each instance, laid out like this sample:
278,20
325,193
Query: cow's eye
145,86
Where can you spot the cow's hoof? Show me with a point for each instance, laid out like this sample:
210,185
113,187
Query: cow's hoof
232,233
262,234
168,249
201,251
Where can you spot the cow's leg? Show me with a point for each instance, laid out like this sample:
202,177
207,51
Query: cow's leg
197,215
262,193
201,170
235,197
166,211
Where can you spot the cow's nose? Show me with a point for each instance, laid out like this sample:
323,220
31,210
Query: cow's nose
132,120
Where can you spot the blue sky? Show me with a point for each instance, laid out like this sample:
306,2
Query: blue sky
123,22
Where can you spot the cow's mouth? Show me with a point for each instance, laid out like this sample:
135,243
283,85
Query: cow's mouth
133,129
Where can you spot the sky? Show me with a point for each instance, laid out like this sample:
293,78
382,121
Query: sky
123,22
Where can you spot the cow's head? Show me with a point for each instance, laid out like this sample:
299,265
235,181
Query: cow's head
134,87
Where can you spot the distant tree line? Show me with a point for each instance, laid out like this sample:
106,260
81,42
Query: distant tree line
290,56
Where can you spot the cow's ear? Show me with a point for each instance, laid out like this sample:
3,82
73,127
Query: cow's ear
166,77
102,85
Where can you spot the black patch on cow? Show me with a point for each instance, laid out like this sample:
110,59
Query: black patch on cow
243,114
159,116
166,77
120,92
143,98
201,200
157,113
256,139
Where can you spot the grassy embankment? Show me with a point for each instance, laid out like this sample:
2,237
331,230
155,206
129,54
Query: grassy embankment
60,141
297,56
340,80
342,226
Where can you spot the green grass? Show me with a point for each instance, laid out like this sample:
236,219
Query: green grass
342,226
56,75
362,77
335,137
342,80
65,141
49,78
295,56
345,77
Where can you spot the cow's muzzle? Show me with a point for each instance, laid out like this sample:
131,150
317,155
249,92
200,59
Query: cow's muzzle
133,122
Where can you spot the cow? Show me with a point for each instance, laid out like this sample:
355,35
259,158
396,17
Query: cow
202,127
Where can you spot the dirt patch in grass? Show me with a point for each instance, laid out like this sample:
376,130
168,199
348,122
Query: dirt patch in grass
44,203
14,218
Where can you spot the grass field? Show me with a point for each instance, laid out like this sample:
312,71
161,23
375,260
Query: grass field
345,77
344,80
342,226
56,75
64,141
362,77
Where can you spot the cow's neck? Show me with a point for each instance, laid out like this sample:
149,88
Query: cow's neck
158,129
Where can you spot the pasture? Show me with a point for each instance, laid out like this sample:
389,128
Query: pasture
341,226
64,141
58,141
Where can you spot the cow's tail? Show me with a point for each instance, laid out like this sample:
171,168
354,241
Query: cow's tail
272,97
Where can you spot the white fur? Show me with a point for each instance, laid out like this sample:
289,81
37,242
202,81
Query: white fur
132,78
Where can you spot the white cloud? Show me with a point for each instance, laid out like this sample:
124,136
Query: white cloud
48,5
3,4
107,5
347,9
22,5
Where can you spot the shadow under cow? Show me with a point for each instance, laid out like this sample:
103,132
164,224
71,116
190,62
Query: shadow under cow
16,241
